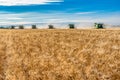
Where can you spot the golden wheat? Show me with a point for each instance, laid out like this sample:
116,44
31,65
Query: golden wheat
60,54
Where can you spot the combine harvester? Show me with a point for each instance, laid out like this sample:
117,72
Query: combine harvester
99,26
71,26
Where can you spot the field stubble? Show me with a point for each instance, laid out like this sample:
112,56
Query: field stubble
60,54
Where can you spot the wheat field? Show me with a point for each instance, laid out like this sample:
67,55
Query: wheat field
60,54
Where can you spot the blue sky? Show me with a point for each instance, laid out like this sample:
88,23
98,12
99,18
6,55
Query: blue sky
59,11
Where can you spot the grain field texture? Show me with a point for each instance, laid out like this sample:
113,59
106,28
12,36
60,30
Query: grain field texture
60,54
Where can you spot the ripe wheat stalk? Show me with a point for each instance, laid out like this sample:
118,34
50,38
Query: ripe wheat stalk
59,54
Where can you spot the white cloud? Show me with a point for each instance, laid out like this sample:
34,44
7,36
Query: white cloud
8,18
25,2
86,13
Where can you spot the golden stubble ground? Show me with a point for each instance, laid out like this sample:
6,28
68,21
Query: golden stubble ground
60,54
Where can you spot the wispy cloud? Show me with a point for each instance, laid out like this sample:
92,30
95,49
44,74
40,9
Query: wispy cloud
8,18
25,2
92,12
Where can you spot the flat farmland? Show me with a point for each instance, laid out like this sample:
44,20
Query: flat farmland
86,54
